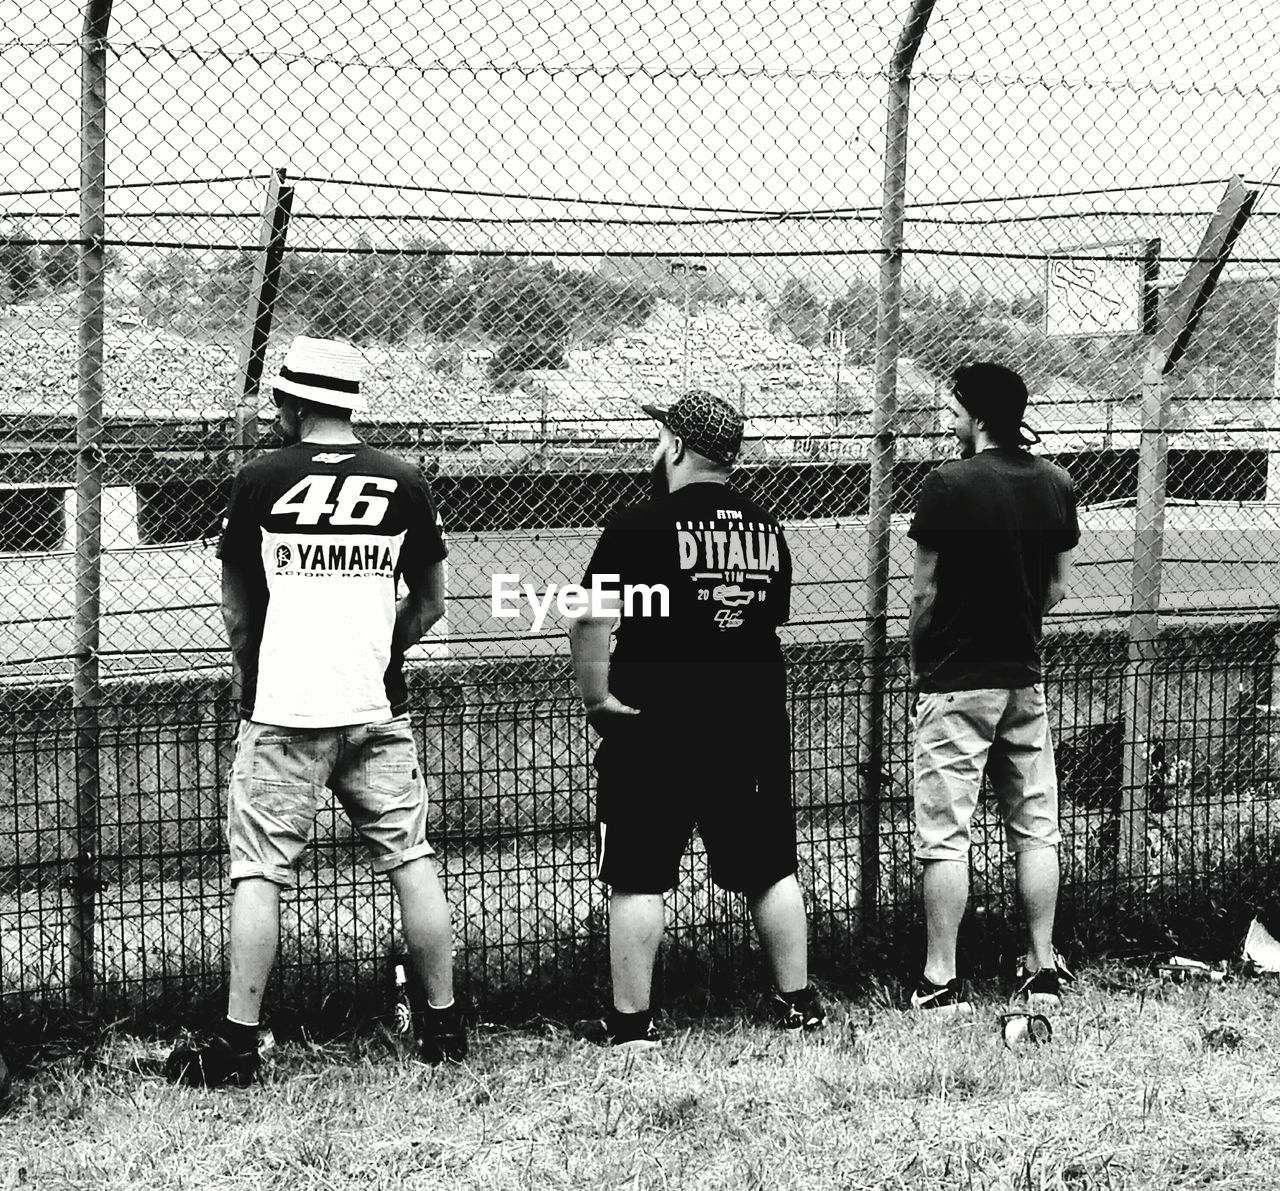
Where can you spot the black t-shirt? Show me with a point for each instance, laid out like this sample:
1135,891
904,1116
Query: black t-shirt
725,563
323,532
997,522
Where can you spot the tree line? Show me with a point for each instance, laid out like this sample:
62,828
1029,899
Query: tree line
527,314
1232,354
29,271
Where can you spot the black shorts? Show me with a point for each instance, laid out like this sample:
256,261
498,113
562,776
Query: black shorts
660,777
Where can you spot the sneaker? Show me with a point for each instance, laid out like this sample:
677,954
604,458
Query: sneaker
631,1031
213,1064
1065,974
442,1036
798,1012
939,1000
1041,988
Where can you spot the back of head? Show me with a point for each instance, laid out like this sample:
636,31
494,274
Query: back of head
707,424
996,396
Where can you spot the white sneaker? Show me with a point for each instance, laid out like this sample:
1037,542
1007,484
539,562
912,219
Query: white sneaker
1261,948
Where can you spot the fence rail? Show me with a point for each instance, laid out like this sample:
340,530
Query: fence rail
531,219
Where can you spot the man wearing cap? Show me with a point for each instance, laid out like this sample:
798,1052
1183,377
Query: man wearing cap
318,537
994,532
692,709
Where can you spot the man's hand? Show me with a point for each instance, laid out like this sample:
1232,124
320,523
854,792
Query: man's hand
605,713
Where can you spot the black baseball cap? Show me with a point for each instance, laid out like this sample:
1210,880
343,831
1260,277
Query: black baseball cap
997,396
708,424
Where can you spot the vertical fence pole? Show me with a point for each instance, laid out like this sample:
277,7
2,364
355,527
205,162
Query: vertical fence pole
880,498
1273,419
263,290
85,688
1184,308
1144,615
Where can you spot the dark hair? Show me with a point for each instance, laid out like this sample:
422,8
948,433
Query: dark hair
996,396
320,410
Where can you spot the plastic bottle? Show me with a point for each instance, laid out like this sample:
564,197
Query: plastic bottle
402,1018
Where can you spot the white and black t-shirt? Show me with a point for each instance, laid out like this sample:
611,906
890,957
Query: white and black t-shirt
324,532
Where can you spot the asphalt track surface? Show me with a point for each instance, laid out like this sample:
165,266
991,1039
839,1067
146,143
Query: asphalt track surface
160,612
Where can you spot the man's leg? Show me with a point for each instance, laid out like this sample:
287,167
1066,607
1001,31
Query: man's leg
954,732
946,894
270,805
1025,781
780,922
255,934
635,932
378,780
1038,890
428,934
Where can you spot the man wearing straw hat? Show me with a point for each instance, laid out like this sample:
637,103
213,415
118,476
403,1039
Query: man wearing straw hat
317,539
994,532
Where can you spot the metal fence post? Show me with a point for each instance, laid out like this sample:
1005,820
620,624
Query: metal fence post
871,731
263,290
85,688
1184,308
1144,617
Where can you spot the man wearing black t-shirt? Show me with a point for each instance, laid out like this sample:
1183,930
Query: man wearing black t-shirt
692,711
994,532
317,538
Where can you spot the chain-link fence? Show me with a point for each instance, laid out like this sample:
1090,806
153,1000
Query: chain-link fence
531,218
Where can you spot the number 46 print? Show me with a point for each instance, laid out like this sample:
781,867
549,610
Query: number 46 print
356,503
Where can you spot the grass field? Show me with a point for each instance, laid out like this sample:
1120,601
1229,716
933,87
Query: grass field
1143,1086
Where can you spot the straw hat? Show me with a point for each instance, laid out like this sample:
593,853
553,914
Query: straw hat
325,370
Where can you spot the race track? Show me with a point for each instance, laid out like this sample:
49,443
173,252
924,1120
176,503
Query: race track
160,604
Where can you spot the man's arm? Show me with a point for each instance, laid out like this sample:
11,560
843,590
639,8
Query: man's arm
240,617
924,591
1059,570
589,649
420,607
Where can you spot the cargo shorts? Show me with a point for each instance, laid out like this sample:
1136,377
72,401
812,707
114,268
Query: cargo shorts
280,776
960,735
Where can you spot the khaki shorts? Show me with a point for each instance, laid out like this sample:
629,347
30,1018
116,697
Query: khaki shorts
280,776
961,734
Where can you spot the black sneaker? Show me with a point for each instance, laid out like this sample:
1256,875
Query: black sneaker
213,1064
1042,988
798,1012
631,1031
939,1000
442,1036
1065,974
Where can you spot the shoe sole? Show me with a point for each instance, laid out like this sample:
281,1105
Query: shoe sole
1044,1000
635,1046
943,1012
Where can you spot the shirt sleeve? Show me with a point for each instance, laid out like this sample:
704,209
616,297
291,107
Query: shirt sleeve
1069,536
782,609
615,552
928,526
241,538
424,544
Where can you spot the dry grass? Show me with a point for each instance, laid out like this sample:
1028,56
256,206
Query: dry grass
1139,1089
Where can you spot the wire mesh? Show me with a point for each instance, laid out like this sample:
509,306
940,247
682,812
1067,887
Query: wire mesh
531,218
